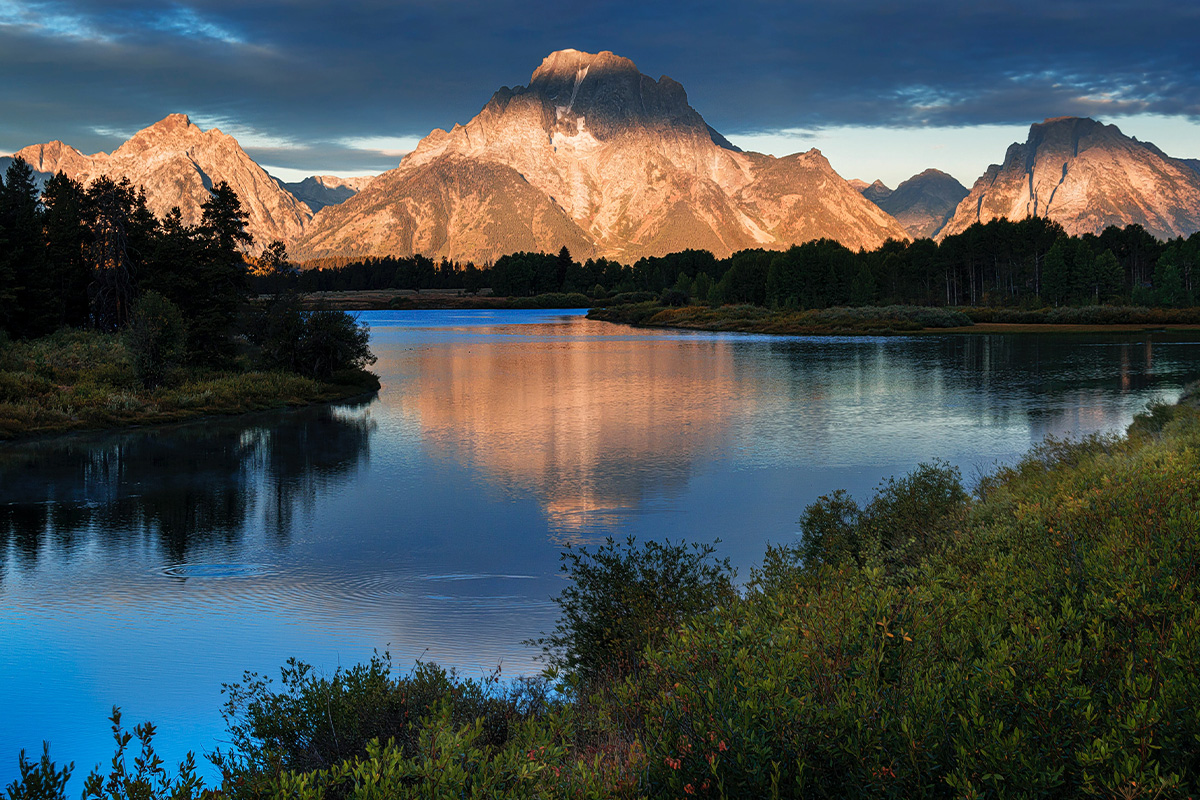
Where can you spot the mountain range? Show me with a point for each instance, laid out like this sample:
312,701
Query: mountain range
595,155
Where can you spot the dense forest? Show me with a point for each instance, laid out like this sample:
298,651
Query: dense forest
96,258
1028,263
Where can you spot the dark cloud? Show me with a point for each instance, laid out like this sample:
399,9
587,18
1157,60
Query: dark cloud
301,77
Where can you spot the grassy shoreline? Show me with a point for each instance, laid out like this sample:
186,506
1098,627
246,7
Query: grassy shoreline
897,320
80,381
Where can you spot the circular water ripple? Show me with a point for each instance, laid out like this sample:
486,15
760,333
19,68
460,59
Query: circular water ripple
215,571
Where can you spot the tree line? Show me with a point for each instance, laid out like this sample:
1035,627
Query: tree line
95,256
1031,262
74,255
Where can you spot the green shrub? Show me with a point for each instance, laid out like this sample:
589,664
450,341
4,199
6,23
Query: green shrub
155,338
40,781
1046,647
332,341
312,722
673,298
624,597
908,519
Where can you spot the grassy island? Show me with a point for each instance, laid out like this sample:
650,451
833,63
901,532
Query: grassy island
78,379
1035,636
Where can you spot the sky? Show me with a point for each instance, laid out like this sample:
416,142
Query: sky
884,88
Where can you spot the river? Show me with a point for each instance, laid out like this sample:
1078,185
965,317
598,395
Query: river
145,568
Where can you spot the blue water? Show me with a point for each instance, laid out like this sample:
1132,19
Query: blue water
144,569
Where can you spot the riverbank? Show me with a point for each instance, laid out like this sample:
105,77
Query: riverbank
82,380
892,320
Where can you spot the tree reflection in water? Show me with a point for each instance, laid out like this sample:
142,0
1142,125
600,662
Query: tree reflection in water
182,487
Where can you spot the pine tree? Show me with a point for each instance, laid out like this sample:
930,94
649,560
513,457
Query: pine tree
1056,274
1110,277
221,274
22,304
67,243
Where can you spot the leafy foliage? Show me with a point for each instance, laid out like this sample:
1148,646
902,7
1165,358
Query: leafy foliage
312,722
147,779
40,781
155,338
625,597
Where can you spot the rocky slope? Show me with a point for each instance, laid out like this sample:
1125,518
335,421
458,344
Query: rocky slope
177,162
1086,176
922,204
318,191
599,157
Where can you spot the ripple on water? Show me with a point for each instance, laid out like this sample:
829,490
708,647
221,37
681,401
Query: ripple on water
215,571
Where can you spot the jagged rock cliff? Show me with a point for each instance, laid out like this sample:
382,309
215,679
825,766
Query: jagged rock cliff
1086,176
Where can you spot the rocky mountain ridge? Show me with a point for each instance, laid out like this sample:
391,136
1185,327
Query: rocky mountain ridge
1086,176
318,191
599,157
594,155
922,204
178,163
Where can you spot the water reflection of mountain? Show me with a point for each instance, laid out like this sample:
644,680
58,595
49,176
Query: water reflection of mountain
597,427
185,487
592,428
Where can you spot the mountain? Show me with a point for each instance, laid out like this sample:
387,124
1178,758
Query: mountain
594,155
922,204
177,163
1086,176
875,192
318,191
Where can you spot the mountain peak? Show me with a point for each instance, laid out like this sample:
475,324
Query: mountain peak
173,123
875,192
599,156
567,64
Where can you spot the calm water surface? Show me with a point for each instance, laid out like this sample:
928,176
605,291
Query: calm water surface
143,569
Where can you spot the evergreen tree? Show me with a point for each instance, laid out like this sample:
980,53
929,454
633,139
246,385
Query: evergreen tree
22,297
1110,278
110,294
563,265
68,241
171,269
221,275
1168,282
862,288
1084,284
1056,274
